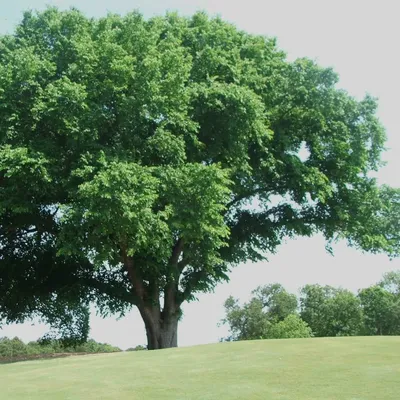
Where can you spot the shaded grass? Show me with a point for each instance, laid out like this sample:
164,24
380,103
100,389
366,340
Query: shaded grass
297,369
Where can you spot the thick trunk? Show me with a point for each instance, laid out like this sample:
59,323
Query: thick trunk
161,333
161,326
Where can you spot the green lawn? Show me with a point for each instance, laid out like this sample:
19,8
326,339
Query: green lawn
301,369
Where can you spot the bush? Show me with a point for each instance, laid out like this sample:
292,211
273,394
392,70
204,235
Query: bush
16,348
137,348
291,327
12,347
91,346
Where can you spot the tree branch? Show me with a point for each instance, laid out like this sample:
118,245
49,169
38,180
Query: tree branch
134,276
246,196
171,288
196,277
176,251
125,296
182,264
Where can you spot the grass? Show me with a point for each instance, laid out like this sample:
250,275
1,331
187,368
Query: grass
298,369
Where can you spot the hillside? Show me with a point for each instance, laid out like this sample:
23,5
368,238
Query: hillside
299,369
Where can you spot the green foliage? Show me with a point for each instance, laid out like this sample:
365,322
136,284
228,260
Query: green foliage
131,149
291,327
324,311
14,348
346,312
381,311
92,346
313,307
391,282
247,322
137,348
269,313
330,311
276,301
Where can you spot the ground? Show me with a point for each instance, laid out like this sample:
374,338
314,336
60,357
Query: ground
292,369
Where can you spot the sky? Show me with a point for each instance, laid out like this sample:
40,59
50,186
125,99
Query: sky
359,39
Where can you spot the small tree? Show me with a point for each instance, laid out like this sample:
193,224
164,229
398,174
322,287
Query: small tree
290,328
247,322
270,314
269,305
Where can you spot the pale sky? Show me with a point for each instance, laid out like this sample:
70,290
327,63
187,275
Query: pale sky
359,39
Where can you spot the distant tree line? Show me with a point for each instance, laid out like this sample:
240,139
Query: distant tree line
16,349
320,311
137,348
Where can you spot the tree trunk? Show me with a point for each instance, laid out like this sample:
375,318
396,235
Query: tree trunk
162,333
161,326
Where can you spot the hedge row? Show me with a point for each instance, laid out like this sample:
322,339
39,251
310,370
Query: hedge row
15,348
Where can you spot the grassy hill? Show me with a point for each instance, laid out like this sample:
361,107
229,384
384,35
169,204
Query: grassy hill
298,369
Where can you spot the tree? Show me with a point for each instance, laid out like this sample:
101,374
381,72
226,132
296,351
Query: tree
346,312
330,311
391,282
276,301
270,314
290,328
249,322
381,311
132,151
313,308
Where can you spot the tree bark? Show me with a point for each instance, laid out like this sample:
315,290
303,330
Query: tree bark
161,326
161,332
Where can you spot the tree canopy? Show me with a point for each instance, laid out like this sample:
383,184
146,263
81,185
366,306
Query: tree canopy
276,302
331,311
141,158
381,309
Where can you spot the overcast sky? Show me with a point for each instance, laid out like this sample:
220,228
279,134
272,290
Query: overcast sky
359,39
